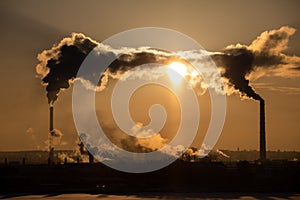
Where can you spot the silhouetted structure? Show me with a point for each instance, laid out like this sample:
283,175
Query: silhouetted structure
262,133
50,159
178,177
91,158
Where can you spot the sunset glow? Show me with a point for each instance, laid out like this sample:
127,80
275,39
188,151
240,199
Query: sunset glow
177,68
150,100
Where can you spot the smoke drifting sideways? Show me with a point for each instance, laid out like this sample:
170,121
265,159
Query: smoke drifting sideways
238,63
59,65
263,55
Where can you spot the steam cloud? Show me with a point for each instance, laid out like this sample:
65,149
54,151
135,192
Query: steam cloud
192,154
238,64
80,154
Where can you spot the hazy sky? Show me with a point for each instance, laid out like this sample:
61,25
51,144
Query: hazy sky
28,27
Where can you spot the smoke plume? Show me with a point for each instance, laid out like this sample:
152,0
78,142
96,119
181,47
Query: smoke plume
31,132
80,154
264,54
238,63
59,65
56,133
193,154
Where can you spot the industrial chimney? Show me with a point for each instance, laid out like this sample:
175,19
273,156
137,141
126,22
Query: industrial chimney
51,149
262,133
50,126
51,119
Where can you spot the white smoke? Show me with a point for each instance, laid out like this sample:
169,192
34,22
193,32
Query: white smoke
222,153
30,131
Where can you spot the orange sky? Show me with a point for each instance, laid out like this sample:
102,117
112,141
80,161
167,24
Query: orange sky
28,27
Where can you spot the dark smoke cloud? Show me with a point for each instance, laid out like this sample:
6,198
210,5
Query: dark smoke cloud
128,61
237,63
59,65
265,53
240,63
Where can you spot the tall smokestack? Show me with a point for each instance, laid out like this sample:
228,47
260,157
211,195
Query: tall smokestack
51,119
262,141
51,153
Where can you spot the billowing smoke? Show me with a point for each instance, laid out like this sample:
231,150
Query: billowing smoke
56,136
193,154
31,132
222,153
238,63
59,65
264,54
80,154
145,140
56,133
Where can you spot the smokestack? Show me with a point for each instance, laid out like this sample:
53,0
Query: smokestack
262,141
51,156
51,119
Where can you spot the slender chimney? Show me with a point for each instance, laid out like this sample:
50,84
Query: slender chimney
51,149
262,139
51,119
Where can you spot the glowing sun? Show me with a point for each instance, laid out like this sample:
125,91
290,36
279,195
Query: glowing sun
177,71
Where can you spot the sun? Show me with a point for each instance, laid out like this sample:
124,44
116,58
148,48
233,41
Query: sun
178,67
176,72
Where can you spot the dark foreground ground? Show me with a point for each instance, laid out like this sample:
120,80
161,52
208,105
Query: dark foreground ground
179,177
156,196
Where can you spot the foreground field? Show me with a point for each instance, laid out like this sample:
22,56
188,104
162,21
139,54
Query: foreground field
156,196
